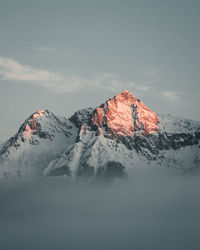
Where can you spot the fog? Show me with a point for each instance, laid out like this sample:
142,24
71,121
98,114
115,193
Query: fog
154,209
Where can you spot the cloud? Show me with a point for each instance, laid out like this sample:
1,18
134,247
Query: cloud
143,88
12,70
149,71
55,82
46,49
150,75
51,51
171,95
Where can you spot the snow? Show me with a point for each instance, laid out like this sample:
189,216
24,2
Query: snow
28,156
46,142
173,124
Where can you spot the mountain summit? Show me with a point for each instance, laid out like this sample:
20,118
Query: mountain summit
125,115
31,125
111,140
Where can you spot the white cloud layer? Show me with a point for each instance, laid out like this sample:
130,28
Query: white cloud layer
46,49
49,51
13,70
171,95
58,83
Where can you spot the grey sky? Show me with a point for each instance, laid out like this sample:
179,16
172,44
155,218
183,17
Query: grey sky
64,55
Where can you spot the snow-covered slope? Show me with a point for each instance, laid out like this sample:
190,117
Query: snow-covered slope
41,138
112,140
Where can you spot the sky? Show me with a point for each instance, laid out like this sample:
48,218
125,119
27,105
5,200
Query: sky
63,55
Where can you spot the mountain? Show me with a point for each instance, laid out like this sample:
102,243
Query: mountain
40,139
111,140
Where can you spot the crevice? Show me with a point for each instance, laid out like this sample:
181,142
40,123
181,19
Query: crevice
136,119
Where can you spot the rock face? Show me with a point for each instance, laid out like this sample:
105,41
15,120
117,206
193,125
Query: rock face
112,140
124,115
31,125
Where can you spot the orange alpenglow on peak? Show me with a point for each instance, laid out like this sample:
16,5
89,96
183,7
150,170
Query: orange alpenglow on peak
31,124
125,115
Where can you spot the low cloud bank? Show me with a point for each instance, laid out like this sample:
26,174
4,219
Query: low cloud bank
154,209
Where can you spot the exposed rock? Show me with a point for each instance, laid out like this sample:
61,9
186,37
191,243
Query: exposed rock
124,115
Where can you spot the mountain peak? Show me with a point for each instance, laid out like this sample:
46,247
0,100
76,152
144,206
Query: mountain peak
31,124
125,115
125,92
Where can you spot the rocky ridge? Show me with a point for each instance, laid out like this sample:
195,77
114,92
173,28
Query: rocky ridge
111,140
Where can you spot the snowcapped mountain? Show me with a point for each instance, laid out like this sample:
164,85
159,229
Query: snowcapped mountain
41,138
111,140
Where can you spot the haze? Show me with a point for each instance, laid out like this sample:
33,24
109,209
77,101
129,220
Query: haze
155,209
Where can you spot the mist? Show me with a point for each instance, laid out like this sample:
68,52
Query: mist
153,209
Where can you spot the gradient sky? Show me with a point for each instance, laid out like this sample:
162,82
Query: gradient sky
70,54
